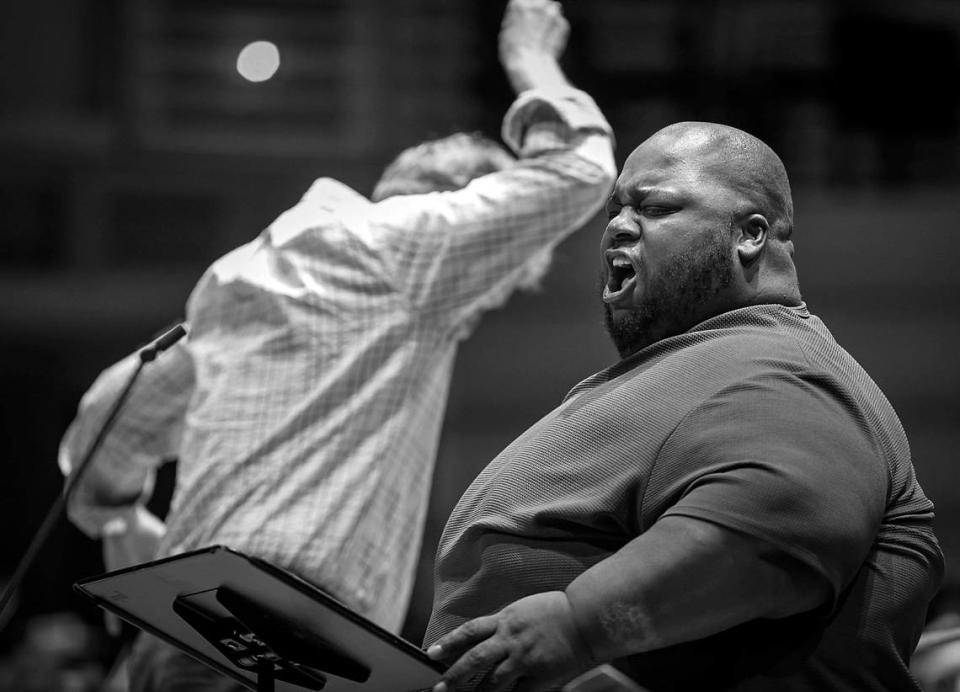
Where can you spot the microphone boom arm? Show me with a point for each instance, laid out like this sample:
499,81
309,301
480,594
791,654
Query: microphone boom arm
147,354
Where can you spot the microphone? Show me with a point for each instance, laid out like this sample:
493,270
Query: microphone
162,343
147,354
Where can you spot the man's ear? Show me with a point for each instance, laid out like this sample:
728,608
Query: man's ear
753,236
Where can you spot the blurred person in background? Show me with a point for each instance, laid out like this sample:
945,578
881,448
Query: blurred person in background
56,652
306,404
936,661
731,506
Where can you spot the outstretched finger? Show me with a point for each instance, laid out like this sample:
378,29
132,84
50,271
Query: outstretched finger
470,633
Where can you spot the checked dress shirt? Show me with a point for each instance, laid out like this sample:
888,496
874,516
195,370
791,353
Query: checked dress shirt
305,406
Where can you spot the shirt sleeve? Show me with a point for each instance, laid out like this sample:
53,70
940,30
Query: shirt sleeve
146,432
782,459
456,253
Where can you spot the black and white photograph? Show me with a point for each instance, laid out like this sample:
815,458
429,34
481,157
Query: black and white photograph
480,345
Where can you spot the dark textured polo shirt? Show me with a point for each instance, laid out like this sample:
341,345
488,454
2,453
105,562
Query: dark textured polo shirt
757,421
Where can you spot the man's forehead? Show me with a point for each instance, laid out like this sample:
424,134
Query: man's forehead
650,167
682,143
677,154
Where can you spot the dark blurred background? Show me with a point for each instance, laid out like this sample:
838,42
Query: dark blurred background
133,154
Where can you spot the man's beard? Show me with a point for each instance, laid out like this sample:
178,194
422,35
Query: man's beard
674,299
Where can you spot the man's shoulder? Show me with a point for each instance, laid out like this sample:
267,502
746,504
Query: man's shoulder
759,341
769,337
327,214
333,194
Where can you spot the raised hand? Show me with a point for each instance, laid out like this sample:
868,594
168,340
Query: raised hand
533,36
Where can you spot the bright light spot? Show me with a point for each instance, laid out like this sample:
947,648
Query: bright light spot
258,61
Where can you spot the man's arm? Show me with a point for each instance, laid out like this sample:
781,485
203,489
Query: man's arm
666,586
684,579
455,253
772,498
146,432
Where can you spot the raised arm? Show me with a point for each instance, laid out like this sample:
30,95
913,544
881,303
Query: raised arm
455,253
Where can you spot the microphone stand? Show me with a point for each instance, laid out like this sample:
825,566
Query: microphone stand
165,341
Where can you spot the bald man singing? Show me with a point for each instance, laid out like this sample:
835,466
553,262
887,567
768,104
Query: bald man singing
731,506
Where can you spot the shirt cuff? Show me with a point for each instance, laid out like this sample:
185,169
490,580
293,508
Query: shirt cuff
92,519
567,105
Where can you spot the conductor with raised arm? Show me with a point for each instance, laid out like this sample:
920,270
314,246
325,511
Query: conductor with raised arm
306,404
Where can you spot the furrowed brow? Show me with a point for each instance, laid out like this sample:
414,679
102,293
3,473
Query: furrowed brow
631,196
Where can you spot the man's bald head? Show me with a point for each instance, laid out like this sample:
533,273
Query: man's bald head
736,159
700,223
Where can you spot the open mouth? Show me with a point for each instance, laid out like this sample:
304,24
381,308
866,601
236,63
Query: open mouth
621,278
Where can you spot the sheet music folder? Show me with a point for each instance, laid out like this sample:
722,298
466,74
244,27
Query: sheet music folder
260,624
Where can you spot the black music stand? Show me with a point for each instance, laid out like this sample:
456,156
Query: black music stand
261,625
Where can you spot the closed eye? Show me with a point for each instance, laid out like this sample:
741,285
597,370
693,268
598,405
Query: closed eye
656,210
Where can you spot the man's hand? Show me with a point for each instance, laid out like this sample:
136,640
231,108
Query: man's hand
130,539
532,643
532,38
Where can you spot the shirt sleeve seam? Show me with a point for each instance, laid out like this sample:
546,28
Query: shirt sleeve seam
755,531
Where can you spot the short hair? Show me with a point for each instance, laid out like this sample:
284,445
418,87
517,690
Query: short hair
448,163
